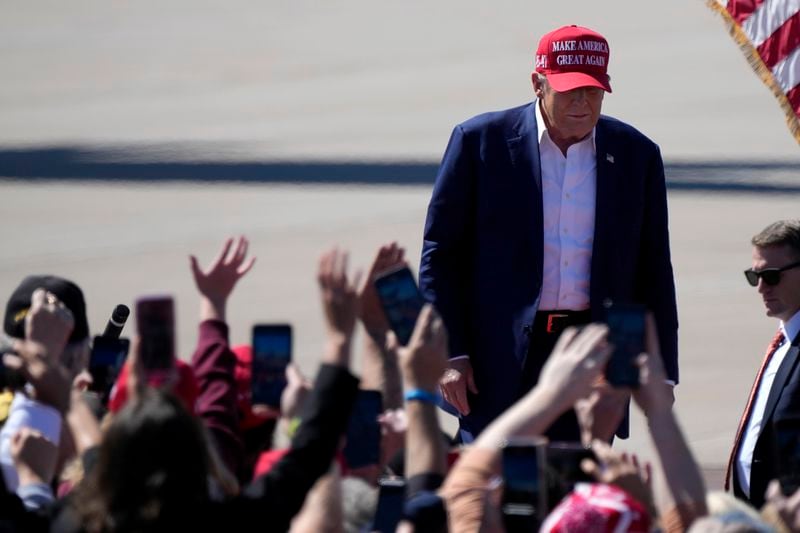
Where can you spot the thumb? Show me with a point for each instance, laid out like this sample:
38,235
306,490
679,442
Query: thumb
471,382
12,361
774,491
293,375
391,341
196,272
591,468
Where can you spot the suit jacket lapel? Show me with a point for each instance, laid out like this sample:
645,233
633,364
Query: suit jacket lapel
523,148
784,371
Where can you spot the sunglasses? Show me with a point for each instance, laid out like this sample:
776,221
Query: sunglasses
771,276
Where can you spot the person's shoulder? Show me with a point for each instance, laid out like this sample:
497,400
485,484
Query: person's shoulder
624,132
494,120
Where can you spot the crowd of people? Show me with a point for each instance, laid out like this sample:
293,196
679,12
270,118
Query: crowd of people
188,450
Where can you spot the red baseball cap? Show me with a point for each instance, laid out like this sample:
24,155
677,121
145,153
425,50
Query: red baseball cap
572,57
185,388
600,508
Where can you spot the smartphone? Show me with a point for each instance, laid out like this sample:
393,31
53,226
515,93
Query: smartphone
391,498
363,444
525,489
105,362
563,469
787,452
401,301
272,353
626,325
155,323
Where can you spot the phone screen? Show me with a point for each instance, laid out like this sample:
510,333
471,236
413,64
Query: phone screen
401,301
362,447
626,332
108,355
272,353
563,469
525,491
787,444
389,511
155,322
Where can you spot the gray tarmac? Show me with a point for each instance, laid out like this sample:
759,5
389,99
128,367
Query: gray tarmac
242,82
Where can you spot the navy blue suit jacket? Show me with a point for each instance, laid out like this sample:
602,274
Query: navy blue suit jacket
783,408
483,245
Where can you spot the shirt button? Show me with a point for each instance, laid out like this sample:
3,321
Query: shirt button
566,263
567,196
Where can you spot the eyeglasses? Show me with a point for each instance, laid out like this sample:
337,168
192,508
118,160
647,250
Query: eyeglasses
771,276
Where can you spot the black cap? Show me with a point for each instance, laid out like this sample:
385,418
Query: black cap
66,291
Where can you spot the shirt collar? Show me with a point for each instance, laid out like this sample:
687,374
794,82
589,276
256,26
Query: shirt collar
792,327
541,128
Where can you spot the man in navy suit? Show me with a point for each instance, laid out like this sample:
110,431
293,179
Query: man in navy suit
767,444
539,215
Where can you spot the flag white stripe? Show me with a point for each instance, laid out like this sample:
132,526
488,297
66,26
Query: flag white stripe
787,72
767,18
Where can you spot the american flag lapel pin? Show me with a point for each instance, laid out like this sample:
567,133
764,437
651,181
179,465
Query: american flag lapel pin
609,158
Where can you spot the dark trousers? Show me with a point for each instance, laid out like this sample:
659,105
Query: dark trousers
544,332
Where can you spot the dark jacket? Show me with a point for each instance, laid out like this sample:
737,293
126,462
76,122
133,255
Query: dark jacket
482,255
771,457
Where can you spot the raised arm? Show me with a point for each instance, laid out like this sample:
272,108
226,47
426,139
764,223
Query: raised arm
422,362
278,495
379,367
680,491
577,361
213,362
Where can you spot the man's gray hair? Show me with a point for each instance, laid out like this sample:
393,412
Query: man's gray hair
780,233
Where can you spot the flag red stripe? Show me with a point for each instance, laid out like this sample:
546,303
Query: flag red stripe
781,43
741,9
794,99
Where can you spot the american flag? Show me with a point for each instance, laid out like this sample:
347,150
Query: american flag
768,31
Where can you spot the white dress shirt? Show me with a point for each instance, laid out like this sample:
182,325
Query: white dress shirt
569,186
744,456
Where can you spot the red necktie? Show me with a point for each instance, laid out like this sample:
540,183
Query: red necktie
776,341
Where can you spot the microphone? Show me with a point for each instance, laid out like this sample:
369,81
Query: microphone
116,322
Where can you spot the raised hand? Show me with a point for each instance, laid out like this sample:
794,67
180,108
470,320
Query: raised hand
216,283
424,360
576,363
34,456
653,393
621,470
370,312
787,507
48,325
339,298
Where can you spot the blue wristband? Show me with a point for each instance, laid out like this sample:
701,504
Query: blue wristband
421,395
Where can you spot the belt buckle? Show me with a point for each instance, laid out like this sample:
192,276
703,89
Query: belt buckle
551,323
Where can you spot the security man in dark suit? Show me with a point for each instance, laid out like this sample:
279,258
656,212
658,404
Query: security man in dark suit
767,444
